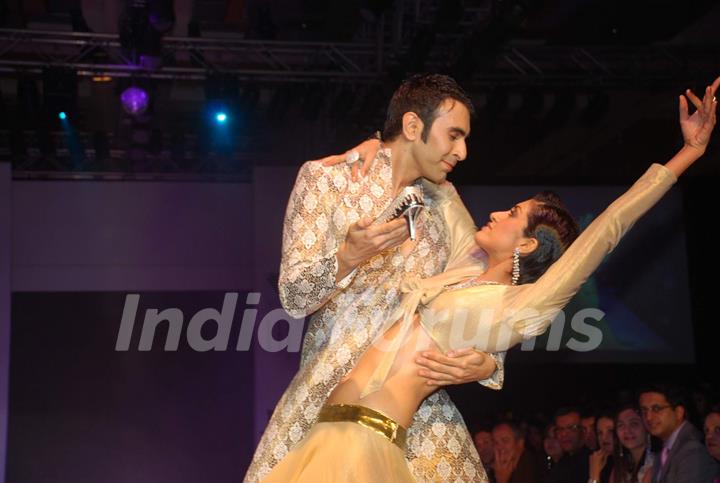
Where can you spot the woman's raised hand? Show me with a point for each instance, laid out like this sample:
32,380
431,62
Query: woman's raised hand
696,128
366,152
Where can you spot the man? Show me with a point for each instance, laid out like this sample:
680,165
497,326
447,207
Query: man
513,463
683,457
573,465
347,272
712,433
484,444
588,422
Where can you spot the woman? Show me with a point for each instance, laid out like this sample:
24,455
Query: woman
529,275
633,460
601,460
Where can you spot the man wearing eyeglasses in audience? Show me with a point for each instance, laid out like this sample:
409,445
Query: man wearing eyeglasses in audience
573,466
683,458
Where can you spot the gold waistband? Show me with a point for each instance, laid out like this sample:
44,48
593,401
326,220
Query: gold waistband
370,418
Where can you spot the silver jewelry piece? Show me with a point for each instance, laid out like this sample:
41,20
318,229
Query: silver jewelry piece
352,157
516,266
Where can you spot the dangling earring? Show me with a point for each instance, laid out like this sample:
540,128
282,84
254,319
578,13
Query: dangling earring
516,266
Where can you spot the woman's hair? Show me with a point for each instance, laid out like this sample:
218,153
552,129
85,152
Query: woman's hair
422,94
552,225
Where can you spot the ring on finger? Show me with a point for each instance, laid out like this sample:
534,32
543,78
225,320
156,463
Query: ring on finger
352,157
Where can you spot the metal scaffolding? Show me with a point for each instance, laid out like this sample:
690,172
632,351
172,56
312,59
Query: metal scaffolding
281,61
92,54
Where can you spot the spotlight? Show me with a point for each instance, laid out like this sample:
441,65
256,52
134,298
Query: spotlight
134,100
221,117
60,93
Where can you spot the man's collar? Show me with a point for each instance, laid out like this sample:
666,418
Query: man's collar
671,440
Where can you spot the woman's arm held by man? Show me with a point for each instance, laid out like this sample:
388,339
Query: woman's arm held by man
456,367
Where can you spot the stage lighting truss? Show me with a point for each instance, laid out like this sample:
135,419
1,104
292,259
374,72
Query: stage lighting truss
95,55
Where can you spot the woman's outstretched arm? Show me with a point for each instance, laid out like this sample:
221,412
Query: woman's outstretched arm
565,277
529,309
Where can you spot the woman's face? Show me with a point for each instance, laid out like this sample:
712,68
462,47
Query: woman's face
712,434
630,429
505,230
605,429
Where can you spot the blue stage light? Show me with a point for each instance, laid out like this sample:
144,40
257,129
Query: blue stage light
62,116
221,117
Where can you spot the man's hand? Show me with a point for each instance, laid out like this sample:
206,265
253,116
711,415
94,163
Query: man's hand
503,466
455,367
364,241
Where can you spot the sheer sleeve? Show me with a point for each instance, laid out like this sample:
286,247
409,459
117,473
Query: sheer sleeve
554,289
310,241
493,318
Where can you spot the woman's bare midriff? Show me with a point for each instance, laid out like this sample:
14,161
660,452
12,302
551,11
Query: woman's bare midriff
403,390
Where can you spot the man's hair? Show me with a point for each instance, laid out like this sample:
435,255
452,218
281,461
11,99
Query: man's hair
518,431
674,395
422,94
566,410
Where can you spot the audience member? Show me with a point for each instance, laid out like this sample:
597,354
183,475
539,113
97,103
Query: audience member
712,433
573,466
634,460
683,457
513,462
551,448
484,445
588,423
601,460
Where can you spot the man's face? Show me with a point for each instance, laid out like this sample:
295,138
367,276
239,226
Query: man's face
551,445
569,432
506,443
712,434
659,417
590,438
445,146
484,445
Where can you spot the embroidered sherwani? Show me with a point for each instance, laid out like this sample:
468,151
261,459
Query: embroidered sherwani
348,315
